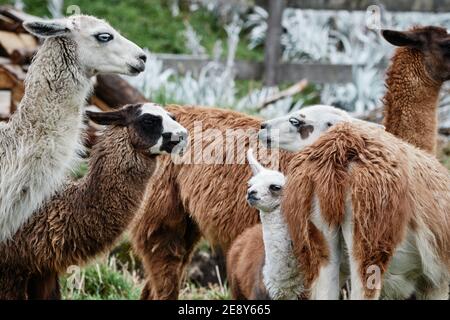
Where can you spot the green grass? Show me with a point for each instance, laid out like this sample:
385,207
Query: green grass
150,24
102,281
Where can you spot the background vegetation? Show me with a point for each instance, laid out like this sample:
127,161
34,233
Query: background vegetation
152,24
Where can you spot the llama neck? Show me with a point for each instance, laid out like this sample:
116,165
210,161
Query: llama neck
55,87
280,271
100,207
118,174
411,101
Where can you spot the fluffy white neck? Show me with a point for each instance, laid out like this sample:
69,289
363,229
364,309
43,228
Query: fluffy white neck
280,273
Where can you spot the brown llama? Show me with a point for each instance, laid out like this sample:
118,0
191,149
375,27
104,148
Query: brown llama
87,217
419,68
194,200
390,204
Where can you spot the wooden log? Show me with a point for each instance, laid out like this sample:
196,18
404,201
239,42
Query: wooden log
5,104
390,5
289,92
22,56
117,92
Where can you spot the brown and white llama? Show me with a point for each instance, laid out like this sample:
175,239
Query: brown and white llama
199,199
419,68
87,217
40,143
384,200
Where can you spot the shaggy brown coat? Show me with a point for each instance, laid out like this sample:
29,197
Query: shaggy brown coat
245,262
414,80
80,222
393,187
192,200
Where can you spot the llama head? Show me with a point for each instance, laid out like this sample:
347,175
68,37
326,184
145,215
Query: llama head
301,128
265,188
101,49
433,42
152,129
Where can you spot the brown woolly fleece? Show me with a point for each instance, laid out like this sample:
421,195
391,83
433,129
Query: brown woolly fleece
80,222
414,80
190,200
245,264
392,186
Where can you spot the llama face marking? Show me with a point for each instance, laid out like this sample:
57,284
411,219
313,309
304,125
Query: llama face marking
152,129
101,49
301,128
265,188
173,138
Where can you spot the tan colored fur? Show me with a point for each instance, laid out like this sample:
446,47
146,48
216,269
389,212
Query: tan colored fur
245,263
414,81
392,186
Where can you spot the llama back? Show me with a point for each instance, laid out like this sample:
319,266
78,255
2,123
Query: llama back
245,263
358,164
209,189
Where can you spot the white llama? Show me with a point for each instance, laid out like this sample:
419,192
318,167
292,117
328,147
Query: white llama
41,141
280,271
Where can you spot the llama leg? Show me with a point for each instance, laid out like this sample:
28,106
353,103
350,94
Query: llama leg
13,284
44,287
327,284
359,286
168,251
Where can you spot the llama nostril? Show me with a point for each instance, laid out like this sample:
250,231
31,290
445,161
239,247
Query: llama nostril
143,58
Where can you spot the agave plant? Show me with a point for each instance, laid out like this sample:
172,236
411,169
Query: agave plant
19,5
56,8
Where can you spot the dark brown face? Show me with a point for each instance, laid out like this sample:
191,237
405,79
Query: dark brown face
433,42
152,129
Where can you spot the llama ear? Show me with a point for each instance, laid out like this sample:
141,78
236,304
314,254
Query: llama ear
254,164
47,29
116,118
402,39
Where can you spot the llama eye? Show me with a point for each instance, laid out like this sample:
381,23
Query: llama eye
104,37
329,124
295,122
275,188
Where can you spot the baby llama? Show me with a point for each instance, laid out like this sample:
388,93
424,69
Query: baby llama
261,262
41,141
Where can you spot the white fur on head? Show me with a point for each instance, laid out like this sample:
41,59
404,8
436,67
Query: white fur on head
101,49
265,187
174,135
254,164
301,128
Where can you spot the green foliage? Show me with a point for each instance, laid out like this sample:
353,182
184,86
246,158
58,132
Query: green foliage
150,23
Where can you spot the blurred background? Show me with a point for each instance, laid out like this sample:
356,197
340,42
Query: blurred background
260,57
